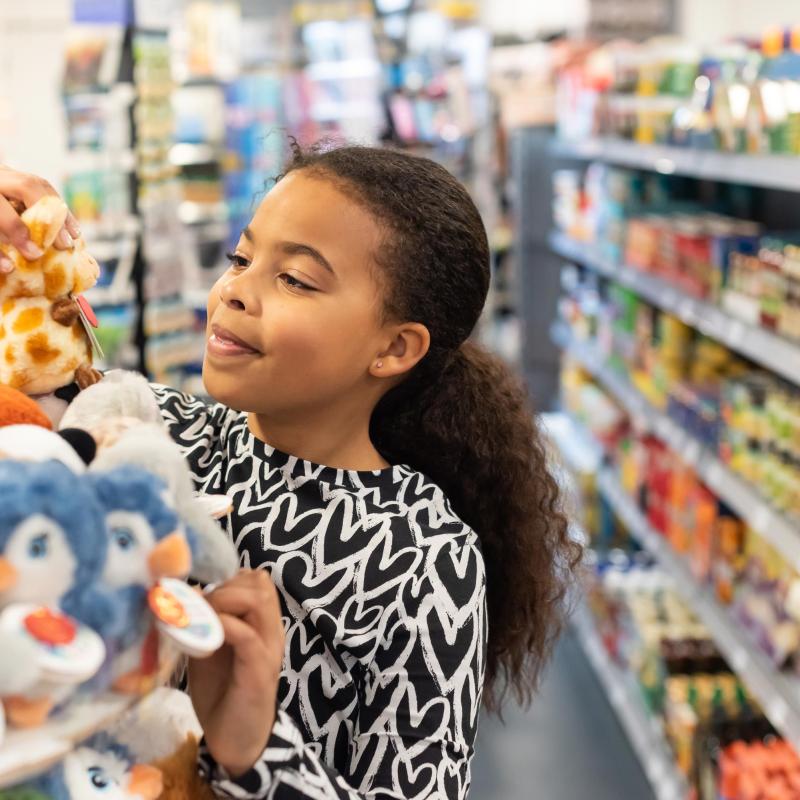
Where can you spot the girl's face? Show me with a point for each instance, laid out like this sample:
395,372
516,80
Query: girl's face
295,322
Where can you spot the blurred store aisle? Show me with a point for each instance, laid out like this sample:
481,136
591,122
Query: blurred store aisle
567,746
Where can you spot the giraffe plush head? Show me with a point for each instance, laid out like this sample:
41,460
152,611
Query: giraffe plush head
43,345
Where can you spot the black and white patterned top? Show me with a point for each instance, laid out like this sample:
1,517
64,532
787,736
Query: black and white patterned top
383,596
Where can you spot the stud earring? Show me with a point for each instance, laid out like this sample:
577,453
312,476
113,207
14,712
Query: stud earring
379,365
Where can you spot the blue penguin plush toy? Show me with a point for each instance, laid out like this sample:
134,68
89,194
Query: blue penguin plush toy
52,542
146,542
52,550
100,768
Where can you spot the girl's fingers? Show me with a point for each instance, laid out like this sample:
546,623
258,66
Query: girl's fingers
248,648
6,264
254,607
15,230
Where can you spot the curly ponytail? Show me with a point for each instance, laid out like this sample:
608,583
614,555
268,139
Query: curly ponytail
462,417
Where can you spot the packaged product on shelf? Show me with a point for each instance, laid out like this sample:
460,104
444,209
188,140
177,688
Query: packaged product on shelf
685,683
733,96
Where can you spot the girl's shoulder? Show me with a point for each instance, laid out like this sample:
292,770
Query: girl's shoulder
189,418
428,512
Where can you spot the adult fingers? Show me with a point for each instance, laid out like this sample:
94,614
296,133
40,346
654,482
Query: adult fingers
27,189
71,224
22,186
15,230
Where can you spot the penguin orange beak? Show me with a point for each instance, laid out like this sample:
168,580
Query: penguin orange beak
170,558
146,782
8,574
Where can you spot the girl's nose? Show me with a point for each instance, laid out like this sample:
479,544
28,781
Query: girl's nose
238,294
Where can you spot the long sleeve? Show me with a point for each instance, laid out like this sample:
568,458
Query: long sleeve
418,701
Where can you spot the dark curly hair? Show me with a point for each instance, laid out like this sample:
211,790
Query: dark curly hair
462,417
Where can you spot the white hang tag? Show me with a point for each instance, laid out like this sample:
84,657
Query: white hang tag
185,618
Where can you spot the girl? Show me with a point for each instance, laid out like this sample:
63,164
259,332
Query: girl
422,570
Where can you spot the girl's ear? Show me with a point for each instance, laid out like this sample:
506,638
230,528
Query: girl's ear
409,346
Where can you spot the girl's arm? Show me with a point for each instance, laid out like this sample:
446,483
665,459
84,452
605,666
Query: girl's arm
419,698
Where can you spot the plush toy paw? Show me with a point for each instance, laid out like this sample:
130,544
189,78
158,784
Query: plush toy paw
86,376
181,778
23,712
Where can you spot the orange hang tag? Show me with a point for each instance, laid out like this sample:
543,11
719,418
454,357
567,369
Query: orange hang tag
50,627
167,608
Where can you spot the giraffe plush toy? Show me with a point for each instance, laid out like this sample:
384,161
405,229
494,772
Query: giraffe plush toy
43,344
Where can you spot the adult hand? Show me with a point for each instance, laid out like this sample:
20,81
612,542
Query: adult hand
235,691
19,191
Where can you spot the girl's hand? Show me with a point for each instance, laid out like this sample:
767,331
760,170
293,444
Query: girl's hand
19,191
234,691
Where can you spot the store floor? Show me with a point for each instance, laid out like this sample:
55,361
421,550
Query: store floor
567,746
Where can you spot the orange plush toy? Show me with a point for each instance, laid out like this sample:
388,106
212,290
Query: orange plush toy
18,409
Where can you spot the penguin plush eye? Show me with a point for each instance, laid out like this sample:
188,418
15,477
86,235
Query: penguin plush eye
38,546
98,778
123,538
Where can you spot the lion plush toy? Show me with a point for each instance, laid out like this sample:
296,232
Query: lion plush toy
43,344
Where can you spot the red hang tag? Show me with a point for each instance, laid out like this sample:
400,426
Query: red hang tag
89,322
87,310
50,627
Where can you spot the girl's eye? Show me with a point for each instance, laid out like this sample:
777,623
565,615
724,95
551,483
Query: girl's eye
38,546
240,262
123,538
290,280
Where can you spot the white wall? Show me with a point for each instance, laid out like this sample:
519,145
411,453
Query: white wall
32,136
708,21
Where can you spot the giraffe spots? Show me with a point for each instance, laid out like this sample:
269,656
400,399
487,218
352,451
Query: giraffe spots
28,320
39,349
18,380
2,331
11,356
77,330
55,281
8,306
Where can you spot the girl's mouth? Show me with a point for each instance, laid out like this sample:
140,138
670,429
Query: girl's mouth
224,343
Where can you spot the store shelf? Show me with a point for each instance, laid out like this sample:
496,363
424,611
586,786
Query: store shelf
186,153
768,171
727,485
773,352
99,296
778,695
644,731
